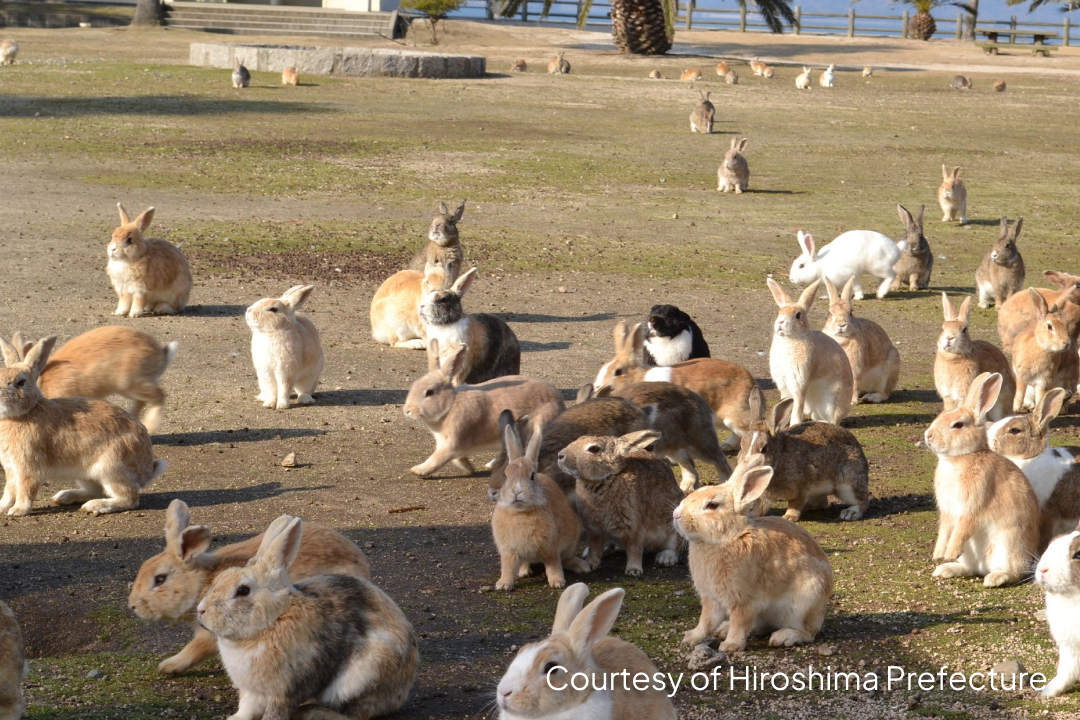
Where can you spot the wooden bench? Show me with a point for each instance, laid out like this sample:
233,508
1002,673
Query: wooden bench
1038,41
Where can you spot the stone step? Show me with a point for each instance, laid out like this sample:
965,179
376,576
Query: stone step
215,22
279,20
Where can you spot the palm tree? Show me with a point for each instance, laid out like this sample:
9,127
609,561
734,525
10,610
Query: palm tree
646,27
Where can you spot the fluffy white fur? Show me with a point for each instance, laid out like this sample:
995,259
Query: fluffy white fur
1054,574
852,254
1044,470
668,351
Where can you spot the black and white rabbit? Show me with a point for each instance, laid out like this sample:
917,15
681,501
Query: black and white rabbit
672,336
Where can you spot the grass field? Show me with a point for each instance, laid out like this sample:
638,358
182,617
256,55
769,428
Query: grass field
591,183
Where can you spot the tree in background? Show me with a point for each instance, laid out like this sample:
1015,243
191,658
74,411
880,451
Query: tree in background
971,17
147,13
647,27
431,10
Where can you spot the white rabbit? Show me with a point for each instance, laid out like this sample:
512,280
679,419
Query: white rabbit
828,77
1058,573
285,348
851,255
803,81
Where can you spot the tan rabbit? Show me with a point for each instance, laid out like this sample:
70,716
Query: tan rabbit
1053,472
827,78
810,462
690,75
685,422
808,366
999,86
443,249
867,71
289,76
170,584
734,172
559,65
104,448
988,522
654,74
285,348
519,66
13,666
533,521
537,683
802,82
9,49
959,360
111,360
148,274
758,67
875,361
768,73
701,120
590,416
1017,312
729,550
1001,272
627,493
722,69
395,307
1044,353
464,419
724,385
952,196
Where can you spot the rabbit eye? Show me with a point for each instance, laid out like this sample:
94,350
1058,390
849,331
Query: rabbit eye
798,315
20,382
549,666
594,449
1049,327
159,580
620,372
127,241
1014,431
957,425
963,330
243,591
273,309
712,505
429,392
1076,555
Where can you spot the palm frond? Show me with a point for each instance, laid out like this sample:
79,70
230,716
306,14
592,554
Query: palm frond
1036,4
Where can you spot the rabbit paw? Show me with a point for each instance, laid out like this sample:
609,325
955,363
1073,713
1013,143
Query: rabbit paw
694,637
305,399
525,571
268,403
67,497
732,646
576,565
504,584
634,570
1056,687
282,404
998,579
786,637
851,513
667,558
19,510
950,570
173,666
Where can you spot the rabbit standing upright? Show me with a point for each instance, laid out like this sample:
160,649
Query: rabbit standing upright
149,275
701,120
952,196
960,359
734,172
802,82
1058,575
875,361
241,78
1001,272
916,258
828,77
443,248
1044,353
285,348
331,646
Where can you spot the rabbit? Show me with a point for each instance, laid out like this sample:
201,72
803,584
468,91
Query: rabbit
701,120
685,422
827,78
959,360
110,360
916,258
519,66
672,336
852,254
867,71
802,82
627,493
731,77
768,73
960,82
1058,574
289,76
1017,312
690,75
241,78
988,521
1053,472
807,365
94,441
952,196
1044,353
589,416
533,521
537,683
13,666
734,172
395,307
559,65
999,86
724,385
8,50
443,249
148,274
465,418
331,646
654,74
1001,272
722,69
758,67
729,551
875,361
170,584
285,348
810,461
493,349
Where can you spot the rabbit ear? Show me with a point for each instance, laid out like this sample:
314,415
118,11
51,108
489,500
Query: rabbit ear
637,440
604,391
919,219
297,295
145,218
277,552
947,307
807,243
513,443
956,170
944,172
1003,226
964,315
532,452
742,144
1063,298
637,339
983,395
273,530
452,368
194,541
1038,302
831,289
806,300
433,361
458,212
177,518
1049,407
905,216
443,209
622,330
22,345
570,604
594,622
750,483
756,401
780,295
12,356
1016,228
38,355
781,416
734,143
846,293
463,283
584,393
124,220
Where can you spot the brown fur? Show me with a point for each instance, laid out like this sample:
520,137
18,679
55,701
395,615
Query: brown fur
13,667
1044,353
959,360
559,65
289,76
627,493
443,248
701,119
722,69
1018,313
519,66
655,74
758,67
731,77
875,361
395,307
734,171
916,259
810,462
148,274
1001,272
188,568
952,196
690,75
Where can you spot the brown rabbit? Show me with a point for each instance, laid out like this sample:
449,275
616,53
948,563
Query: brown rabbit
289,76
690,75
701,120
875,361
916,258
722,69
1044,353
960,360
1001,272
1017,312
952,196
734,172
559,65
443,248
758,67
519,66
654,74
148,274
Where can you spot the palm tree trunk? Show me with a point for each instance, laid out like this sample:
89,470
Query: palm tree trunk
971,16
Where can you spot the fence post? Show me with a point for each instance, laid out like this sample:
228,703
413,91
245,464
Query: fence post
689,24
488,10
798,20
1065,33
525,11
742,18
904,22
1012,26
959,26
851,22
